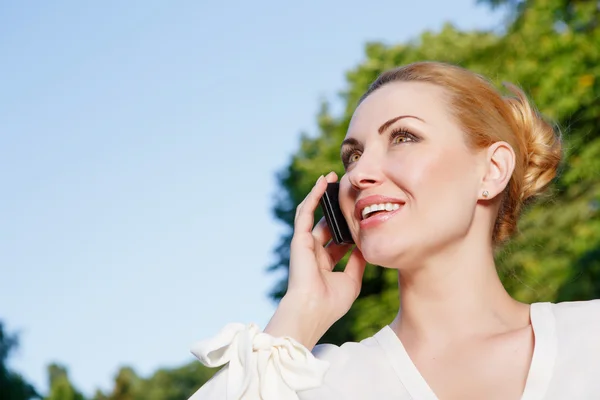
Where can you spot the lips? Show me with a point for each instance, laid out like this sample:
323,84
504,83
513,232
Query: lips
370,207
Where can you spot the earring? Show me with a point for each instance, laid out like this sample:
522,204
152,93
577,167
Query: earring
485,193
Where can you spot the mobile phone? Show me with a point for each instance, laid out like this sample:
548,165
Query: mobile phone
333,215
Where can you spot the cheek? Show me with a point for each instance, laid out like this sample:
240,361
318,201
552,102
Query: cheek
435,175
451,171
457,172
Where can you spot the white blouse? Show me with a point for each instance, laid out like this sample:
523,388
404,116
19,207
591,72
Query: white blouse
565,364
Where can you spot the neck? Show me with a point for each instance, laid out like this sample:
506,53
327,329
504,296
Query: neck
457,294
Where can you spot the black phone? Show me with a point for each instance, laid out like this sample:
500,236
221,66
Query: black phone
333,215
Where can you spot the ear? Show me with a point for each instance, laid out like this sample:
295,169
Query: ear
500,164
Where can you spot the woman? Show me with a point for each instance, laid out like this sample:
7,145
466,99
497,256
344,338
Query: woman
449,162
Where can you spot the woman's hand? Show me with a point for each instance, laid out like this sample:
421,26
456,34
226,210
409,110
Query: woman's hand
316,296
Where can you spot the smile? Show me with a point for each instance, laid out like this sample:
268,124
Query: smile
378,208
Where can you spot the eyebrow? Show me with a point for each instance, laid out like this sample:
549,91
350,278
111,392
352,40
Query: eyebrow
382,128
389,122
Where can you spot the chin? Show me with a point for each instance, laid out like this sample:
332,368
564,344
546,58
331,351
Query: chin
384,251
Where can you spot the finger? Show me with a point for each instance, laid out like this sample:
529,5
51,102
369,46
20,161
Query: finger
321,232
331,177
355,268
298,208
305,212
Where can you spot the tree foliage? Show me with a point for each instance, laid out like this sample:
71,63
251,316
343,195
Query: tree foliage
579,15
61,387
551,49
165,384
12,385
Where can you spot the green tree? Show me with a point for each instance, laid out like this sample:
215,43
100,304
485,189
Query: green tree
99,395
544,49
579,15
61,387
175,384
165,384
127,385
12,385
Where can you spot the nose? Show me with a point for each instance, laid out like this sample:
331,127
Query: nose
366,172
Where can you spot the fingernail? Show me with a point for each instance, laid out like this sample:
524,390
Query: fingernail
319,180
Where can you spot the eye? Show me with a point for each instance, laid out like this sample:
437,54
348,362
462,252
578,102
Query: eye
350,156
402,136
353,157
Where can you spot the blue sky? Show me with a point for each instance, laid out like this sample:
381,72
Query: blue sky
139,143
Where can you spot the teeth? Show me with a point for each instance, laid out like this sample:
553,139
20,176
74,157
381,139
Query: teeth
379,207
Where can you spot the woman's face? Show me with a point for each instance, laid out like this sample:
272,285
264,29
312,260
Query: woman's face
407,159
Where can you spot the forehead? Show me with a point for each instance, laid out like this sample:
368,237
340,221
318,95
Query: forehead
423,100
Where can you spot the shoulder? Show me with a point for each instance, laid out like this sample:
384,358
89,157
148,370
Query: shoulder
365,350
577,326
582,314
567,347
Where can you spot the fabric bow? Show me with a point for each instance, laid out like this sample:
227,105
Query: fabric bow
260,365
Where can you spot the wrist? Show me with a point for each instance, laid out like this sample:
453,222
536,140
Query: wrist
298,317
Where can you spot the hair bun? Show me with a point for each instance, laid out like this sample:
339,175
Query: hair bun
541,143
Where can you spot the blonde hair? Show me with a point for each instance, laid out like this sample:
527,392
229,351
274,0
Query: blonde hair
488,117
